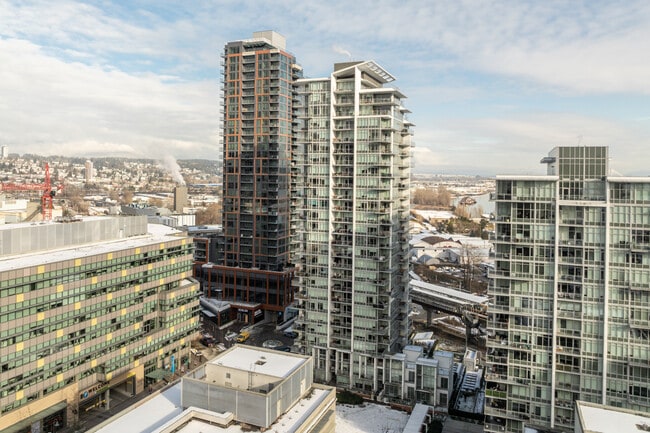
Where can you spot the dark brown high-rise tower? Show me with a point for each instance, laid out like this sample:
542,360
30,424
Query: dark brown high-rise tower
257,133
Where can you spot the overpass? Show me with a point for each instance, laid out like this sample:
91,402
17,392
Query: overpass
435,297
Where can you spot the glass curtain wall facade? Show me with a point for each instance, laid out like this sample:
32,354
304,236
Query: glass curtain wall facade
352,167
569,319
78,321
257,135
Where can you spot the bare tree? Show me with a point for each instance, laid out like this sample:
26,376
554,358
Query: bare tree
210,215
432,197
470,258
127,196
462,211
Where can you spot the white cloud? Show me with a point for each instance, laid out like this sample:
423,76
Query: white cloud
77,27
515,145
71,107
82,78
596,47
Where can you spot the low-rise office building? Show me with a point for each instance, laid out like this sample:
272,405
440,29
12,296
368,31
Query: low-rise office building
86,307
243,389
257,386
415,377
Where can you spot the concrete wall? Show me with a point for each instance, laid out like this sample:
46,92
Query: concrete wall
67,394
240,379
257,408
32,238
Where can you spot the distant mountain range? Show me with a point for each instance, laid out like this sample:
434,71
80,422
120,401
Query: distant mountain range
203,165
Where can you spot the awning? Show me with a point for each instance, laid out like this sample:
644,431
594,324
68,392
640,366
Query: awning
22,425
208,313
158,374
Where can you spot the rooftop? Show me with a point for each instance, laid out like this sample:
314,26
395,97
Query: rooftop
163,413
270,363
607,419
448,293
155,233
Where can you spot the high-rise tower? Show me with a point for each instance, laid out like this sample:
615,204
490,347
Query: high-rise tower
89,172
352,168
257,121
571,298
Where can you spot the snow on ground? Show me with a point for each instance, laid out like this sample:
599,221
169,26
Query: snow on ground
369,418
435,214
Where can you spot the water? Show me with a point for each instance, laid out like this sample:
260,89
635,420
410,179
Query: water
482,201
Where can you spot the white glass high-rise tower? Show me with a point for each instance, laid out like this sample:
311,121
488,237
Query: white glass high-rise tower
570,318
352,162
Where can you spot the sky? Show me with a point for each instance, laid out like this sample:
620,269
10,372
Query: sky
492,85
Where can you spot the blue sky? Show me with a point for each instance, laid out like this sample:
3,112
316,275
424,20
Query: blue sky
492,85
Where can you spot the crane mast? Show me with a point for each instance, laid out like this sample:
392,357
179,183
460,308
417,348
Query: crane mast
47,196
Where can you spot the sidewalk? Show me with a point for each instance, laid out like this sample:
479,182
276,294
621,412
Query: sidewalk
98,416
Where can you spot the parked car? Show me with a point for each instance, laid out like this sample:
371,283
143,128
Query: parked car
243,336
283,348
291,334
207,341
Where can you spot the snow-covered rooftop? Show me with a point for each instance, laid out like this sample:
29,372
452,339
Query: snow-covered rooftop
607,419
156,233
161,412
268,363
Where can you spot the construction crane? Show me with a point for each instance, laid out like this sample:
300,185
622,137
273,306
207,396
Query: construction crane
47,196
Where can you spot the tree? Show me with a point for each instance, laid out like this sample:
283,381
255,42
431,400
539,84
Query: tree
209,215
77,206
72,196
443,196
470,258
432,197
461,211
451,227
127,196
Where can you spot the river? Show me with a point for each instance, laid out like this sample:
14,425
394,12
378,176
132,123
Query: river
482,201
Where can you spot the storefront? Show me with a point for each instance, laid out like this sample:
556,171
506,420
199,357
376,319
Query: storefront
51,419
248,313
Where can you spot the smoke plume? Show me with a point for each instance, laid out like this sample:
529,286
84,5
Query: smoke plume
169,163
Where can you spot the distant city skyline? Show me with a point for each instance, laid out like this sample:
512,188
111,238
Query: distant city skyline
489,83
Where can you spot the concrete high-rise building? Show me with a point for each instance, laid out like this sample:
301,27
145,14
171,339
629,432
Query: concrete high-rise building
88,308
181,200
351,212
570,313
257,133
5,152
89,171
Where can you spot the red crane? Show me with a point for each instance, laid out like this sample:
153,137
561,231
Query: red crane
47,196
